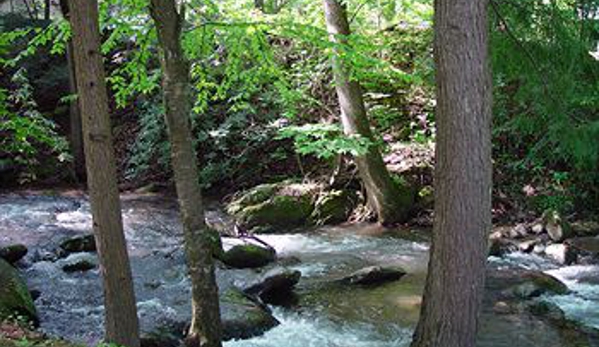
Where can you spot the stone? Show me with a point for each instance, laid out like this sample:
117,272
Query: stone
248,256
537,228
274,207
13,253
243,317
78,262
535,284
86,243
15,299
557,228
374,275
518,231
275,286
561,253
333,207
498,247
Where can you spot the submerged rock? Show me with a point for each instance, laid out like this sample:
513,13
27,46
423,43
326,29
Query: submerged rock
242,317
13,253
535,284
275,286
374,275
248,256
77,244
15,299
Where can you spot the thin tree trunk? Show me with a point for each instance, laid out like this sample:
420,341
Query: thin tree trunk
75,136
119,299
47,9
455,280
388,200
205,330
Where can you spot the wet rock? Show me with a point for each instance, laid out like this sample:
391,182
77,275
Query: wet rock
562,253
248,256
242,317
547,309
77,244
274,207
15,299
162,337
79,262
333,207
373,275
13,253
502,307
557,228
536,284
275,286
498,247
528,245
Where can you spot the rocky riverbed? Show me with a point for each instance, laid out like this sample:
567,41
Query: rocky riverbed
325,300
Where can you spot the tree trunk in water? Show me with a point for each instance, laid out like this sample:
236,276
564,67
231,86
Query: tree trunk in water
205,330
75,135
455,281
391,203
119,298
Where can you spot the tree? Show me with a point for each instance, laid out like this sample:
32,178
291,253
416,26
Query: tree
456,272
205,330
121,321
386,198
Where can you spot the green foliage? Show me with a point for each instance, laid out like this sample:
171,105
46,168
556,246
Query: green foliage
325,141
25,131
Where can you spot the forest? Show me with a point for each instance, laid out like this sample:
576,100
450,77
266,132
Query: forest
300,173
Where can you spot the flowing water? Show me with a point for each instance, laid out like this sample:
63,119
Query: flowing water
325,315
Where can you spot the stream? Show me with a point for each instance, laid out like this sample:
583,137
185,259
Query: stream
70,304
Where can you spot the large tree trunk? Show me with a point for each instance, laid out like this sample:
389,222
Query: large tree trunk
391,203
455,280
119,298
205,330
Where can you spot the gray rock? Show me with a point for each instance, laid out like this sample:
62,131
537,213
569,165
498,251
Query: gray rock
373,275
78,262
561,253
13,253
243,317
77,244
535,284
248,256
275,286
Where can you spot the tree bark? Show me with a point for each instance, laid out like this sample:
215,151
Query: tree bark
205,330
391,203
456,273
119,299
75,131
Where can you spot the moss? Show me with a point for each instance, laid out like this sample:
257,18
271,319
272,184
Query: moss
248,256
253,196
14,295
333,207
281,211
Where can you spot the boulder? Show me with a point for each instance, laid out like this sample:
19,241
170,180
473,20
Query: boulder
242,316
79,262
373,275
562,253
86,243
498,247
274,207
333,207
557,228
248,256
13,253
15,299
535,284
275,286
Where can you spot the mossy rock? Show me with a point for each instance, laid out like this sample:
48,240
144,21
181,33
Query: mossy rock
242,316
333,207
86,243
538,283
557,227
274,207
15,299
248,256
